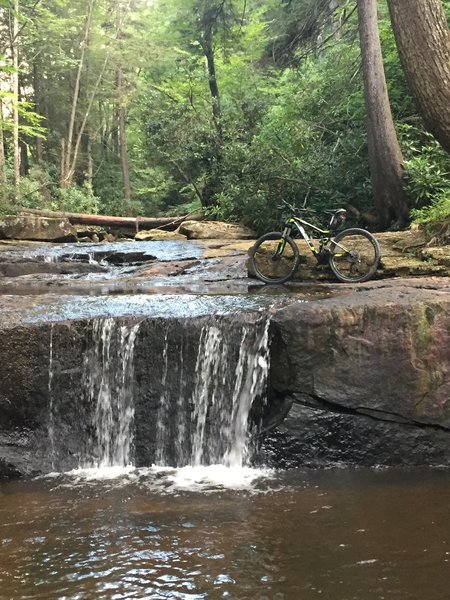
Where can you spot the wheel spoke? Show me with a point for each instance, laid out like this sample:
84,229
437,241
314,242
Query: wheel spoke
274,259
355,256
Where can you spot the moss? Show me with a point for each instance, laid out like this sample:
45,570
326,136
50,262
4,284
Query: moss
424,321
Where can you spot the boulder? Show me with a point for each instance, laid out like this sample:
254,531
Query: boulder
368,376
31,227
90,233
383,351
157,235
210,230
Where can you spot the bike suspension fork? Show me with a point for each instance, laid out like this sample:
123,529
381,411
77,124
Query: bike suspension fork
282,243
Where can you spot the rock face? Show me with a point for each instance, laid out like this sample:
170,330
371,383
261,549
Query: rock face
368,375
37,228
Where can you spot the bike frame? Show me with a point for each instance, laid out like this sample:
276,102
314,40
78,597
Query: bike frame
300,224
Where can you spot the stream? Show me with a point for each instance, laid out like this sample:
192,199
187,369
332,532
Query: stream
188,515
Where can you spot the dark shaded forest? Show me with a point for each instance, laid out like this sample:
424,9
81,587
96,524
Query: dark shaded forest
167,107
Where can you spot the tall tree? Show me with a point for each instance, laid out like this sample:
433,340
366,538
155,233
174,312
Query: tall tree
423,42
14,37
385,156
68,160
123,144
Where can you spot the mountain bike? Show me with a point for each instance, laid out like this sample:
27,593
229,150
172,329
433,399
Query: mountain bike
352,254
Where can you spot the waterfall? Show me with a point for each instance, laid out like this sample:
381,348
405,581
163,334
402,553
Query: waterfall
163,416
231,367
109,378
225,390
183,400
251,379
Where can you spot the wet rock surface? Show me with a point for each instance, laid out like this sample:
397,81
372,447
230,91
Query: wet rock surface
359,374
367,374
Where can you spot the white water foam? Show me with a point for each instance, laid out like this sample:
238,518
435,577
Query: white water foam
212,477
169,480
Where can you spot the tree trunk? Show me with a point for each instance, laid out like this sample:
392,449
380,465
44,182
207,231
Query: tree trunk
67,172
423,42
37,107
208,50
385,156
62,162
90,164
15,86
211,184
24,160
123,142
167,223
3,180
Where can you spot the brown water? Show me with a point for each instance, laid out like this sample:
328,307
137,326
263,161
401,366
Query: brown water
158,534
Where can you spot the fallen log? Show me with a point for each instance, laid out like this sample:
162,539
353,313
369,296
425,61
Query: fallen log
136,223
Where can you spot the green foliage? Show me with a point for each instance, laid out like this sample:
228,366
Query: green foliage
437,212
427,166
75,199
291,109
37,190
309,145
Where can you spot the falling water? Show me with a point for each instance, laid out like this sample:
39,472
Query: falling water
51,416
162,420
203,420
201,381
225,391
251,379
109,379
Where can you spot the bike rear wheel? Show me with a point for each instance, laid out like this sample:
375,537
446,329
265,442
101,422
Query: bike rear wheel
274,258
354,255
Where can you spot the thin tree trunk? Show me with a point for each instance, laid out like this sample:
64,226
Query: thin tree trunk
423,42
66,175
385,156
62,163
3,180
74,154
207,46
90,164
123,142
210,187
37,107
15,86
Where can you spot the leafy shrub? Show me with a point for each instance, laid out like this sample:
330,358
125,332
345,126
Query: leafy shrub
427,166
75,199
437,212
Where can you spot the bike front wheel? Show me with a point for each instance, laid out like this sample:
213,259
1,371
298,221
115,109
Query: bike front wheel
354,255
274,258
